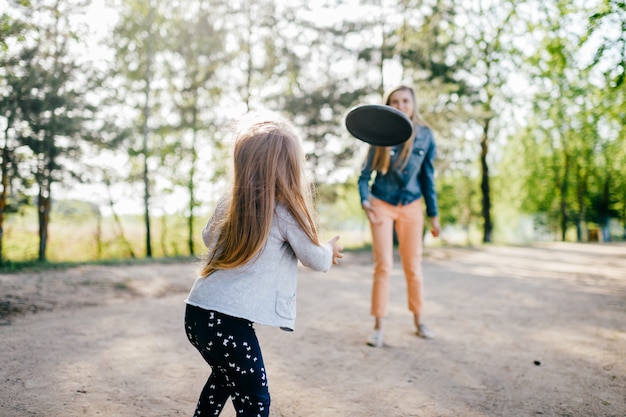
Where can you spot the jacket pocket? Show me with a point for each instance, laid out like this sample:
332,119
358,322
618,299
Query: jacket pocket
286,305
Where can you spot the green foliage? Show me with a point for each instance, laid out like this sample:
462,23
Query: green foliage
612,46
567,138
47,114
554,148
318,112
11,27
459,199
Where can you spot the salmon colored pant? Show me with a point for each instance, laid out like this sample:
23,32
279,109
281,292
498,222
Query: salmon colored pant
409,222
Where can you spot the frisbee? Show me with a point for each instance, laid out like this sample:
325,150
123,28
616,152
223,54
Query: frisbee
379,125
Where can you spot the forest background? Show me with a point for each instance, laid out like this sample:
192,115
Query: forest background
114,140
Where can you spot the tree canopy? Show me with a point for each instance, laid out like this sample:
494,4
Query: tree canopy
526,100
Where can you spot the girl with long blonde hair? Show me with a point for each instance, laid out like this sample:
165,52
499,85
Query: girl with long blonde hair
255,237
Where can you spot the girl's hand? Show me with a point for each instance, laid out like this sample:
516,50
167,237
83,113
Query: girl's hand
336,250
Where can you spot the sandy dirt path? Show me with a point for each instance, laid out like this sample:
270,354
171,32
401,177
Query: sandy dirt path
520,331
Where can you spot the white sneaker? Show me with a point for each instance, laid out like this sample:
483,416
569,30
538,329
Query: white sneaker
376,339
424,332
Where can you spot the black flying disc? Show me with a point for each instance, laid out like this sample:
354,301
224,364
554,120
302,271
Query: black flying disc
379,125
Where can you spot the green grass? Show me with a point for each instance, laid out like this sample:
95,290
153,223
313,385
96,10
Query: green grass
77,237
9,267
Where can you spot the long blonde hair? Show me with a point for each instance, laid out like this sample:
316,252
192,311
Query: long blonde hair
382,154
268,169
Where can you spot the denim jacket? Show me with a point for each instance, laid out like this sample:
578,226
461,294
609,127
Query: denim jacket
415,180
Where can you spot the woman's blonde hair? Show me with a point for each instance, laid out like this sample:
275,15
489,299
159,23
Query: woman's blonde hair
268,169
382,157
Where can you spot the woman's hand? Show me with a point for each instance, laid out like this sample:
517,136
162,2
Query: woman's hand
336,250
370,212
436,228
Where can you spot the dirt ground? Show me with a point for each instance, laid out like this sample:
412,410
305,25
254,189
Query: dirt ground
519,331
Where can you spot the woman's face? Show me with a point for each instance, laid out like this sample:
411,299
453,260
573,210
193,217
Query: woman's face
403,101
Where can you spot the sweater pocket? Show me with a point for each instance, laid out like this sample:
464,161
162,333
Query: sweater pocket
286,305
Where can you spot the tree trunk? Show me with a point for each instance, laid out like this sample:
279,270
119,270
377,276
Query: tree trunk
146,204
96,210
118,222
484,186
581,192
250,64
383,45
624,214
563,199
163,239
605,210
146,114
44,219
191,184
563,210
5,187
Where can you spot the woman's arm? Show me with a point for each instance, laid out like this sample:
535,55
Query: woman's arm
365,177
426,178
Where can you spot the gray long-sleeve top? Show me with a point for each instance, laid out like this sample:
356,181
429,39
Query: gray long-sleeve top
264,289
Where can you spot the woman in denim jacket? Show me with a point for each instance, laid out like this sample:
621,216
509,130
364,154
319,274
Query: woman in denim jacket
405,176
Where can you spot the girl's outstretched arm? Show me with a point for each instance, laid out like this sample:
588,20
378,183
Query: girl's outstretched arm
336,250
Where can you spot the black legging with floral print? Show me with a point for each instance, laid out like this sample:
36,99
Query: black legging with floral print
230,346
